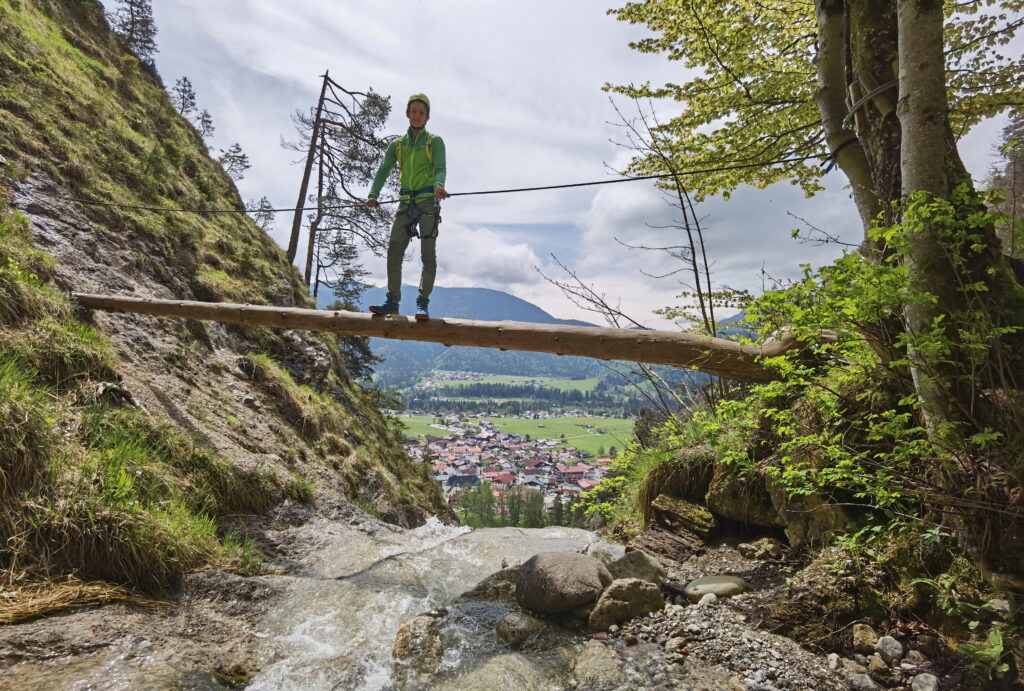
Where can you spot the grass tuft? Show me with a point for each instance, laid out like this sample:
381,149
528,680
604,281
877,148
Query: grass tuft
27,440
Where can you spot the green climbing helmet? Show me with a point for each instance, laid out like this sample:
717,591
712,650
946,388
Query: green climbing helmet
422,98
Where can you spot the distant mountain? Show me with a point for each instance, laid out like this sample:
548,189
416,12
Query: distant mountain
466,303
406,361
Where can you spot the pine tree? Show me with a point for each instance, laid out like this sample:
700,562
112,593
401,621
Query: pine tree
204,123
133,22
183,96
263,213
234,161
515,506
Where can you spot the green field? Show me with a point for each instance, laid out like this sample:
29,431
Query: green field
560,384
581,432
421,425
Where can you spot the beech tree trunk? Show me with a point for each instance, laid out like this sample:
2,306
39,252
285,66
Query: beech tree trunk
909,152
842,141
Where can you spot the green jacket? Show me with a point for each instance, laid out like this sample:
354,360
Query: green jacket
416,171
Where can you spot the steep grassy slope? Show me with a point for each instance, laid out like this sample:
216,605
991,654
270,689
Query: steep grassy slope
132,449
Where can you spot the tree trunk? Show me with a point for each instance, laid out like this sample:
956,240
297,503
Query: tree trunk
293,239
958,265
831,99
873,56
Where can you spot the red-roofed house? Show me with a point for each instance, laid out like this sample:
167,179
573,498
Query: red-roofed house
572,472
503,480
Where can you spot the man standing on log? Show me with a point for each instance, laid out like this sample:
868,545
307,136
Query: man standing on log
421,174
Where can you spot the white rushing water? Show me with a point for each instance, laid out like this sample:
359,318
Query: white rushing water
332,621
336,624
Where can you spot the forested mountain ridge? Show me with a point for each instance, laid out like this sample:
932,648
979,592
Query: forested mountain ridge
139,444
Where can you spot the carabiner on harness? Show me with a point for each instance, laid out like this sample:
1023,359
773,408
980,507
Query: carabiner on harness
414,212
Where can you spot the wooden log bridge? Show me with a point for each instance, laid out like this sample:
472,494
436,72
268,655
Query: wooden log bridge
715,356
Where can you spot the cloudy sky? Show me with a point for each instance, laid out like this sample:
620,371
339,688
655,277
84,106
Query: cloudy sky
515,90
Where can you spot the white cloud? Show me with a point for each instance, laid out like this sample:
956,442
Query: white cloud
471,257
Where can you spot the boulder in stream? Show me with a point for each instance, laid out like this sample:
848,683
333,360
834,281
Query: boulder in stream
598,551
597,666
640,565
555,582
498,587
516,627
417,651
624,599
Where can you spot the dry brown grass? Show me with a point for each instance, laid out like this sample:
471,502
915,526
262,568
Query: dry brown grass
23,601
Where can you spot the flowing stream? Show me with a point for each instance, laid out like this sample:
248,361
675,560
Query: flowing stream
337,623
332,620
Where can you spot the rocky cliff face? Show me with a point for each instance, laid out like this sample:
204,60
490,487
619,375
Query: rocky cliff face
165,435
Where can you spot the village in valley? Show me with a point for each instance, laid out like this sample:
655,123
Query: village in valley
477,455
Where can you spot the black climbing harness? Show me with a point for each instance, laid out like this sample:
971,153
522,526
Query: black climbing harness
414,212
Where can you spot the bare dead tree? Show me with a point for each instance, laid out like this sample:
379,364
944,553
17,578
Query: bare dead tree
662,396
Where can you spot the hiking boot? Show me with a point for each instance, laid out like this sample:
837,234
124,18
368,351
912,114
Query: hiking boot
421,310
390,307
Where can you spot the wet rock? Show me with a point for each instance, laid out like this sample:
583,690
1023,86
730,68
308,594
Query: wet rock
516,627
863,682
924,682
864,639
417,650
597,666
765,549
405,515
679,514
623,600
890,649
640,565
498,587
721,586
554,582
597,551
